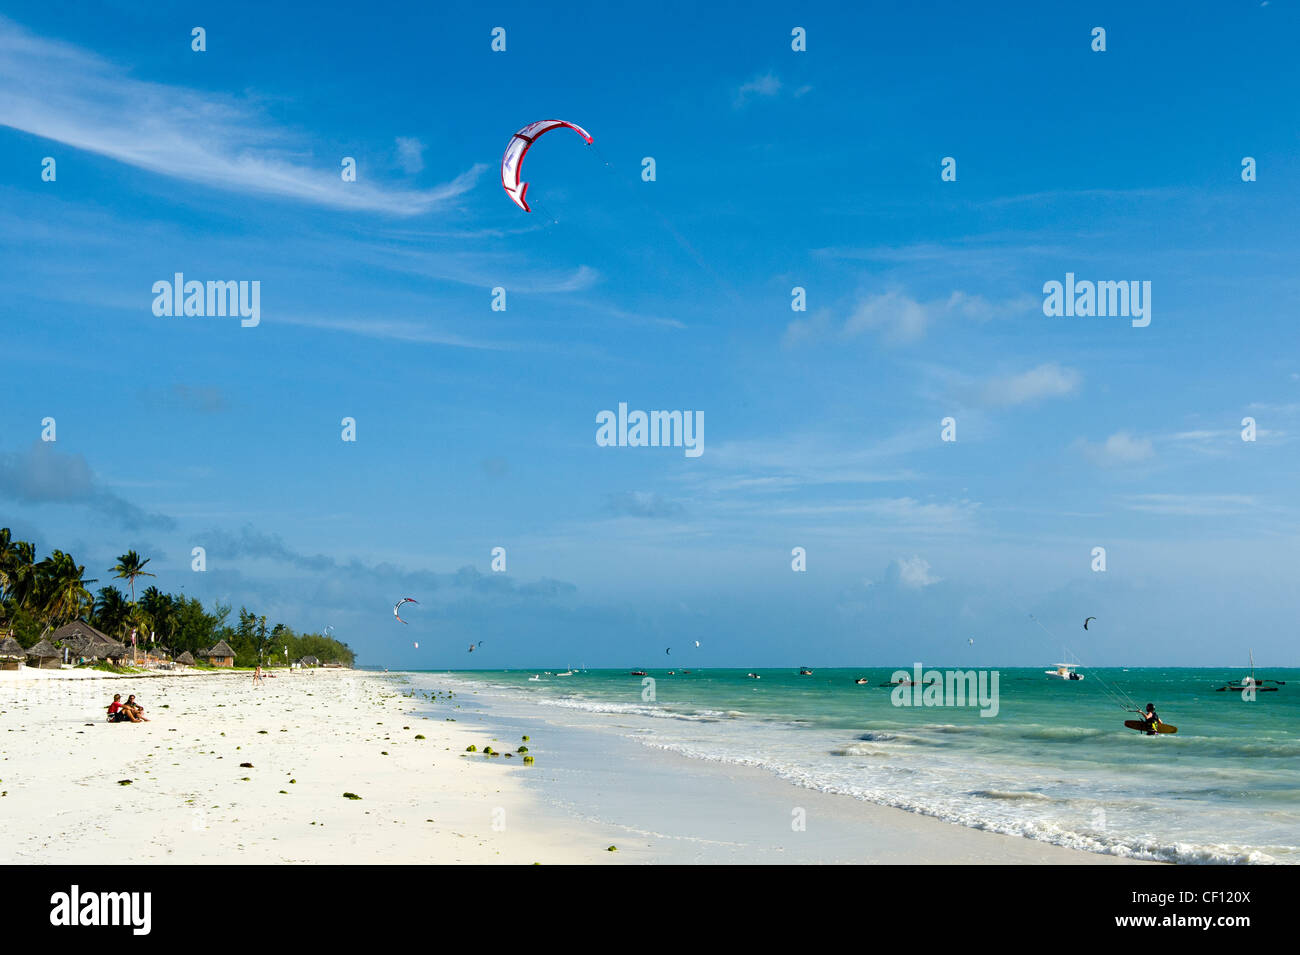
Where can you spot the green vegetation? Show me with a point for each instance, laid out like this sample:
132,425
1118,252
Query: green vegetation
37,597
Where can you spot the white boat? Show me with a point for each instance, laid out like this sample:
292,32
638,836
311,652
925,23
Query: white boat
565,673
1064,671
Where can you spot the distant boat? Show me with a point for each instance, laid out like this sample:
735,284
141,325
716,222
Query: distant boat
861,681
1251,683
1064,671
901,681
534,678
753,676
638,673
565,673
805,671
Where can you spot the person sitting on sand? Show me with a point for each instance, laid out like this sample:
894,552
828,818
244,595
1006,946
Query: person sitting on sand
118,713
1150,719
135,709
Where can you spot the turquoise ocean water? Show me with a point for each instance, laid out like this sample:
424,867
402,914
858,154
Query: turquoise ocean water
1056,763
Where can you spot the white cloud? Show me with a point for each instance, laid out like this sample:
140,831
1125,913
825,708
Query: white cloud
410,154
914,573
1120,449
768,84
391,330
1194,505
899,318
1046,381
64,93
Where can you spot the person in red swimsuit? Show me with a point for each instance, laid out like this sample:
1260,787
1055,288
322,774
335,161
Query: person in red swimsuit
117,713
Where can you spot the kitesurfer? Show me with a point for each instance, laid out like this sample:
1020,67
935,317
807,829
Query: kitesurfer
1150,719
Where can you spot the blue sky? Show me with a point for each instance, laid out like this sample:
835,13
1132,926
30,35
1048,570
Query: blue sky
775,169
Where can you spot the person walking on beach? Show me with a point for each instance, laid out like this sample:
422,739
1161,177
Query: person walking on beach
257,675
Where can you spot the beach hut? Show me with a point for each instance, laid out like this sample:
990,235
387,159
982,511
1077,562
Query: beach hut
84,643
221,655
44,656
186,658
308,662
12,654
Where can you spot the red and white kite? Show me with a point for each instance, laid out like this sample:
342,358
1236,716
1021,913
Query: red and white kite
398,606
519,144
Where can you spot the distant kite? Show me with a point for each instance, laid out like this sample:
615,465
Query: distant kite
669,650
1085,623
398,606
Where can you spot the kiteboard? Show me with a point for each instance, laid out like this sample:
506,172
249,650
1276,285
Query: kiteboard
1142,726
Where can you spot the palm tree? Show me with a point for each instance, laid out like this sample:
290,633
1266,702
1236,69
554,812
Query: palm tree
17,568
111,611
159,611
62,589
6,557
129,566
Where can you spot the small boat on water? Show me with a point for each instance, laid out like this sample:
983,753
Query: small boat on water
805,671
753,676
638,673
861,681
901,681
1064,671
1251,683
535,678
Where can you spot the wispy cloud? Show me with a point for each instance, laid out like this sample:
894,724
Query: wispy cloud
61,92
390,330
898,318
1194,505
1046,381
1119,450
643,504
766,84
410,154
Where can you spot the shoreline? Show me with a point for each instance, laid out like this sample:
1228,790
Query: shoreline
337,731
677,809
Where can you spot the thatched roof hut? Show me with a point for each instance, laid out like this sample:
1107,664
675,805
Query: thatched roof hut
77,628
44,656
86,643
308,662
221,655
12,654
186,658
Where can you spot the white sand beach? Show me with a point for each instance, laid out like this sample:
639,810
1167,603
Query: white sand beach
311,736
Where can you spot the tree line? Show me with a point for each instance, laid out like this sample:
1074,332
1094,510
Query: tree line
38,597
